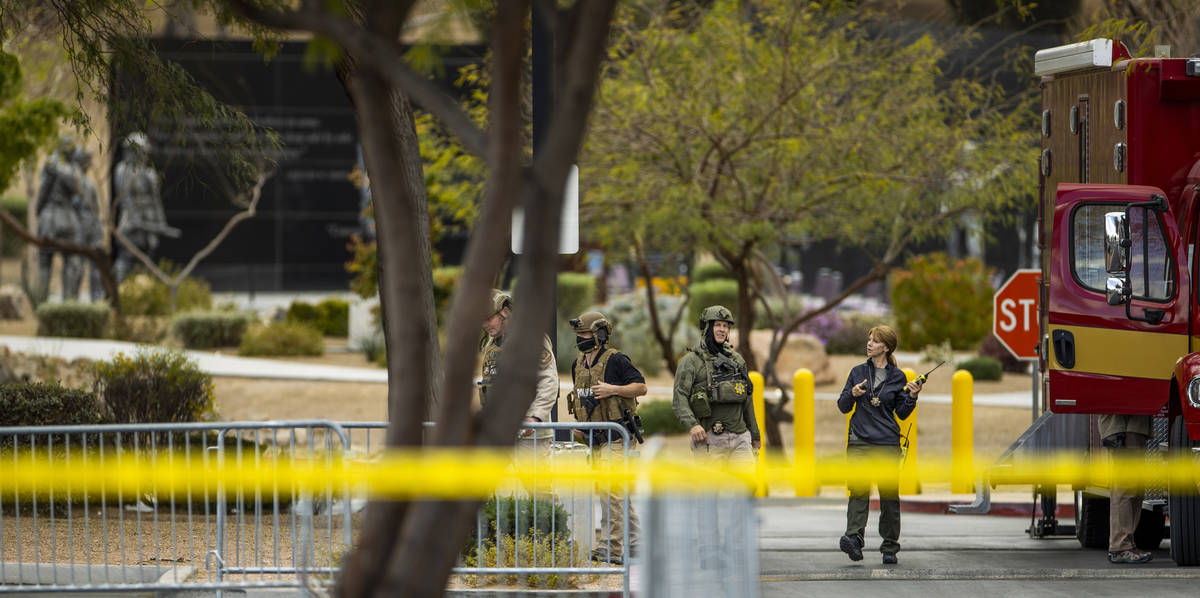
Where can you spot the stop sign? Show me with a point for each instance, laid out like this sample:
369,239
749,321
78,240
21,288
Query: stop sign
1015,313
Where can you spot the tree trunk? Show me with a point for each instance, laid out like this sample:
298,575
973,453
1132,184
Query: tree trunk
391,155
744,313
664,340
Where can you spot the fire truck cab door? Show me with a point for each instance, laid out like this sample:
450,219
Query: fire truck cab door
1101,357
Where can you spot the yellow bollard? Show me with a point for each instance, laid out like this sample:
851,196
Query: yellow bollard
760,414
803,419
962,433
909,483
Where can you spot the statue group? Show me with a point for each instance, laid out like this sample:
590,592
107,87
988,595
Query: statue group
68,211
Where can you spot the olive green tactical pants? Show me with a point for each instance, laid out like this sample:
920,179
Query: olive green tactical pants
889,494
610,536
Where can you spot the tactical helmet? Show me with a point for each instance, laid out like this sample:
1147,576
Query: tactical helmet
594,322
500,300
715,313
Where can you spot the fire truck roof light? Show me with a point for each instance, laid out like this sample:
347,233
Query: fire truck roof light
1083,55
1192,67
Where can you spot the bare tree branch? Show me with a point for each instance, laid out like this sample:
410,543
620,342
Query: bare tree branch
382,55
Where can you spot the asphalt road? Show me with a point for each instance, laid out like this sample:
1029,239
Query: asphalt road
945,555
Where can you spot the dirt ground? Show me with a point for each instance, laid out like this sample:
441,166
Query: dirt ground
995,427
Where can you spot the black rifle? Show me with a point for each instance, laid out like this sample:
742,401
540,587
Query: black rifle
633,423
726,369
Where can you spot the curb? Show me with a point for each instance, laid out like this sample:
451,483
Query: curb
1000,509
877,573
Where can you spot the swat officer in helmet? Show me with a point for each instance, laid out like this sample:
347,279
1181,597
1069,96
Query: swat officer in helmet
606,389
712,399
530,445
712,395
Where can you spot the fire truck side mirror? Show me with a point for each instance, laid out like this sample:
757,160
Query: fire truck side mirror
1115,291
1116,245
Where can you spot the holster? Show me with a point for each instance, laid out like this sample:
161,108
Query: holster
1114,441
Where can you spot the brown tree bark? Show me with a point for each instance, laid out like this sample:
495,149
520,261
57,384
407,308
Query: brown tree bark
99,257
664,340
417,561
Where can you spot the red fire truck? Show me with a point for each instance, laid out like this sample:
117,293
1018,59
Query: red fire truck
1119,225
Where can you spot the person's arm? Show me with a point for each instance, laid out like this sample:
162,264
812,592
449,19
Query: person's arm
846,400
547,387
685,377
906,397
751,423
628,381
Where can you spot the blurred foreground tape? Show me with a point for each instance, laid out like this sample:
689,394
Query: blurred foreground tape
477,473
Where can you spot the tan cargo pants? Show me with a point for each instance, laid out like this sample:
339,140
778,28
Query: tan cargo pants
610,535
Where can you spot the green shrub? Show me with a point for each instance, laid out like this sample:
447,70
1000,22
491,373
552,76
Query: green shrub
851,337
576,291
983,368
18,206
208,329
331,316
335,317
526,552
147,330
445,281
719,291
710,271
73,319
373,347
509,516
153,386
991,347
301,311
659,418
282,338
939,298
144,295
41,404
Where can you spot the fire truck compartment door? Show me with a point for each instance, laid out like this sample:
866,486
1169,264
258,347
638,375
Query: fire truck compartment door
1102,360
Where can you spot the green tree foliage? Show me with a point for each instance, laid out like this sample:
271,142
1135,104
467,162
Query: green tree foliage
938,298
25,125
1143,24
733,131
453,181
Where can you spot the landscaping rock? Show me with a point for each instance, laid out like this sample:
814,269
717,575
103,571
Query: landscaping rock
13,305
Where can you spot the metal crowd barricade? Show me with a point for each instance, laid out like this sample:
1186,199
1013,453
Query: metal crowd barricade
218,538
533,553
94,539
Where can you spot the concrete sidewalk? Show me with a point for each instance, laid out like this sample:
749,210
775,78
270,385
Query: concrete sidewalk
212,363
249,367
798,541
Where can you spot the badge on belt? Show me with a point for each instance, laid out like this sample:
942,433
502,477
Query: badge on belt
718,428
